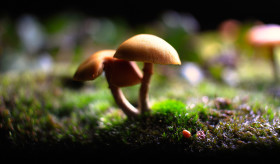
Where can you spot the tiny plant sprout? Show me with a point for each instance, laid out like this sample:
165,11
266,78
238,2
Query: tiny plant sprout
266,36
186,134
119,73
148,49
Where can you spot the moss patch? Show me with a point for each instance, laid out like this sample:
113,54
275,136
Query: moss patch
39,112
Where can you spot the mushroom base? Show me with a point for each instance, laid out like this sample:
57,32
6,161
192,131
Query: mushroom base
123,103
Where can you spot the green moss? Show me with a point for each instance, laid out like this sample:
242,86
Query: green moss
40,109
169,106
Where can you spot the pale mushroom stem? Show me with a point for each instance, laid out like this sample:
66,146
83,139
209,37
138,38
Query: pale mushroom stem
274,63
144,89
119,97
122,102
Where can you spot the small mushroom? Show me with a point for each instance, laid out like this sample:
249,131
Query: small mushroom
148,49
266,36
119,73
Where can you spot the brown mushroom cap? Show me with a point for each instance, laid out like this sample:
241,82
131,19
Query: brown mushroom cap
147,48
120,73
92,67
264,35
123,73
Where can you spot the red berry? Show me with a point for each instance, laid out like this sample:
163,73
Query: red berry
187,134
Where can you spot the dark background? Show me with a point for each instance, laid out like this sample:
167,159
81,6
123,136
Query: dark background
208,13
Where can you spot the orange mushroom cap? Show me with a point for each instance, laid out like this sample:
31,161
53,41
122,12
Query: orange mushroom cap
123,73
147,48
264,35
119,72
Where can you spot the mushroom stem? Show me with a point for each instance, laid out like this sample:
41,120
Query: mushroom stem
118,95
144,89
274,63
122,102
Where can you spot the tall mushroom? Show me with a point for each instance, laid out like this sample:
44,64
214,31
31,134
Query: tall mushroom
119,73
148,49
266,36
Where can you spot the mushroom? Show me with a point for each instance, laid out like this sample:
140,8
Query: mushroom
148,49
266,36
118,72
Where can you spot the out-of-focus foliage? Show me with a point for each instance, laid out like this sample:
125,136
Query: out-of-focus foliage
33,43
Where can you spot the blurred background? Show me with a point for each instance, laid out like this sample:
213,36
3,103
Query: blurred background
210,37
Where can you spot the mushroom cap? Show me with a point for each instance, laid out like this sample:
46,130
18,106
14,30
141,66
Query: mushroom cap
92,67
123,73
147,48
264,35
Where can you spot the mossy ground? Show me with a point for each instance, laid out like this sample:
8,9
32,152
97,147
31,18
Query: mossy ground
48,112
